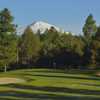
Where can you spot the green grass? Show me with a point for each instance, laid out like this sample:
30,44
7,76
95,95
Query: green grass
47,84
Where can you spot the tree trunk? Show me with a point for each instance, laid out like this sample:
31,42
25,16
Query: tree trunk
17,56
5,68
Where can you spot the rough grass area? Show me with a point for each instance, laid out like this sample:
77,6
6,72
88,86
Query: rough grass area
47,84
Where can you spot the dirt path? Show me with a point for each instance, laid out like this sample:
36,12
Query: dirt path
7,80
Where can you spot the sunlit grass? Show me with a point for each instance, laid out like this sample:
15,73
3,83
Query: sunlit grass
48,84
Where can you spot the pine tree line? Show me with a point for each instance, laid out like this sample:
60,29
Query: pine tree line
51,49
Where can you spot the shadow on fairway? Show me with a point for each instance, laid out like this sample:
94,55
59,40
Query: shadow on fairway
67,76
49,95
56,89
33,96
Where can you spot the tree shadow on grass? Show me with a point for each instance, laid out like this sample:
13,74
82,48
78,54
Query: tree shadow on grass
67,77
40,96
55,89
71,74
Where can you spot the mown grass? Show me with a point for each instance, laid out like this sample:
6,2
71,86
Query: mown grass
47,84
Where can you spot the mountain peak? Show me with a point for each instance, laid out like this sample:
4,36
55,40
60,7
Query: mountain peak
39,22
41,26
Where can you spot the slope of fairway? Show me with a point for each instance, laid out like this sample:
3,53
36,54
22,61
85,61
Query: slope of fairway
47,84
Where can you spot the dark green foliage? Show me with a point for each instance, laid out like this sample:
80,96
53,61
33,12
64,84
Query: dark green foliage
49,41
8,40
61,49
29,47
91,40
95,47
6,20
8,49
97,36
53,49
90,27
91,53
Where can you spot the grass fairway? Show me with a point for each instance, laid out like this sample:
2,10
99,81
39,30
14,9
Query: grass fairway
46,84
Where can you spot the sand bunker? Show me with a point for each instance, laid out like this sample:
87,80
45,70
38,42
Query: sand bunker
6,80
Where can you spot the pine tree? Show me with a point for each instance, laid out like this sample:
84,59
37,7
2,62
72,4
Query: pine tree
89,31
97,36
29,47
89,28
8,41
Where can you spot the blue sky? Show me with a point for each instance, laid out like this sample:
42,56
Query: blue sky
67,14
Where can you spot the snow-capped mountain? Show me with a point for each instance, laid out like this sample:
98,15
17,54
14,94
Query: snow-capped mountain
39,26
43,26
20,30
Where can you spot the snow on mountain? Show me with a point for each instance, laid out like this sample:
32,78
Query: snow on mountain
43,26
39,26
21,30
